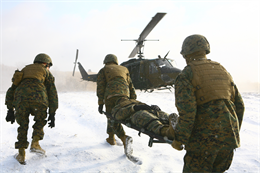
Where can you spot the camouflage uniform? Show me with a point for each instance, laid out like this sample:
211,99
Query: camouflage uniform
150,120
209,131
109,91
32,96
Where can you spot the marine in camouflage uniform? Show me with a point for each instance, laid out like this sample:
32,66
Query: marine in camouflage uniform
151,118
33,91
113,82
210,110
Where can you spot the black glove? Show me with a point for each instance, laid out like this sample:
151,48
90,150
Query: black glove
155,107
100,108
10,116
142,107
52,119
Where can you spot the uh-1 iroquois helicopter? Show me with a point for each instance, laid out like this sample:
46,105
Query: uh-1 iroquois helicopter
146,74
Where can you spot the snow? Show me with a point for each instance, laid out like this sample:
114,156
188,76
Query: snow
77,143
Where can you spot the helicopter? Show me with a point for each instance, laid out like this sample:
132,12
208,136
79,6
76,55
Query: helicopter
146,74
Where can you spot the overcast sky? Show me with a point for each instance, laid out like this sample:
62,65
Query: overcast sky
96,28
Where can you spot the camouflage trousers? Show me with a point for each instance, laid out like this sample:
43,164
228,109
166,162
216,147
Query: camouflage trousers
113,127
152,121
23,110
205,161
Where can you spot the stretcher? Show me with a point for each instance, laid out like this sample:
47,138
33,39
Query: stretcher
154,138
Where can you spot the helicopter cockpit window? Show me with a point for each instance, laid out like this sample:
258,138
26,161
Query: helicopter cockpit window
152,68
164,65
172,62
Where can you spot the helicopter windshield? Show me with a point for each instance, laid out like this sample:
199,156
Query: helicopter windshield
172,62
164,65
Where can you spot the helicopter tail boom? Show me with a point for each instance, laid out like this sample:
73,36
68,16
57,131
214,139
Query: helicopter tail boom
85,75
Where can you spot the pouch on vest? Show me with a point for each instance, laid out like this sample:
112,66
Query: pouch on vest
17,77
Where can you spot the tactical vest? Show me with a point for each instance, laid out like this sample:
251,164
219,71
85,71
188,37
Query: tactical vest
113,70
35,71
211,81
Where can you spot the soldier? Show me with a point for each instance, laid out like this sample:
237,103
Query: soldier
151,118
32,92
113,82
210,110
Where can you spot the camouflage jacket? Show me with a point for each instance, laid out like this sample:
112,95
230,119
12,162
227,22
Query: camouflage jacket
32,90
116,87
210,125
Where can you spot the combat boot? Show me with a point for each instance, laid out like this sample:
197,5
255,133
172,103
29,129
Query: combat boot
35,146
111,139
20,156
127,142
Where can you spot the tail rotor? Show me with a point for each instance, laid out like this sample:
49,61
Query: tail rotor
75,62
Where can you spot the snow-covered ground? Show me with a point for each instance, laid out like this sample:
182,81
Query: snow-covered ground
77,143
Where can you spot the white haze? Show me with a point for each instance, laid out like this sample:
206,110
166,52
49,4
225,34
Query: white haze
66,82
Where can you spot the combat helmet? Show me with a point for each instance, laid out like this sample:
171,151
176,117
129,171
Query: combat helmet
43,58
194,43
110,58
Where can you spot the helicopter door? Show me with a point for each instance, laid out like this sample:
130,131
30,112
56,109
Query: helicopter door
154,75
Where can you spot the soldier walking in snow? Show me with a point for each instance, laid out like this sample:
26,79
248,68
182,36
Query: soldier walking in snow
32,92
210,110
113,82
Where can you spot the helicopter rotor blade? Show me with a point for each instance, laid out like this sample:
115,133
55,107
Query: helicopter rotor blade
145,32
75,62
166,55
156,19
134,52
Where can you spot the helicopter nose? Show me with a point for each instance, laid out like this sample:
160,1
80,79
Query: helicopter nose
170,75
170,71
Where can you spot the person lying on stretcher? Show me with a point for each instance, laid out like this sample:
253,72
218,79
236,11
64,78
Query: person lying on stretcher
148,117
